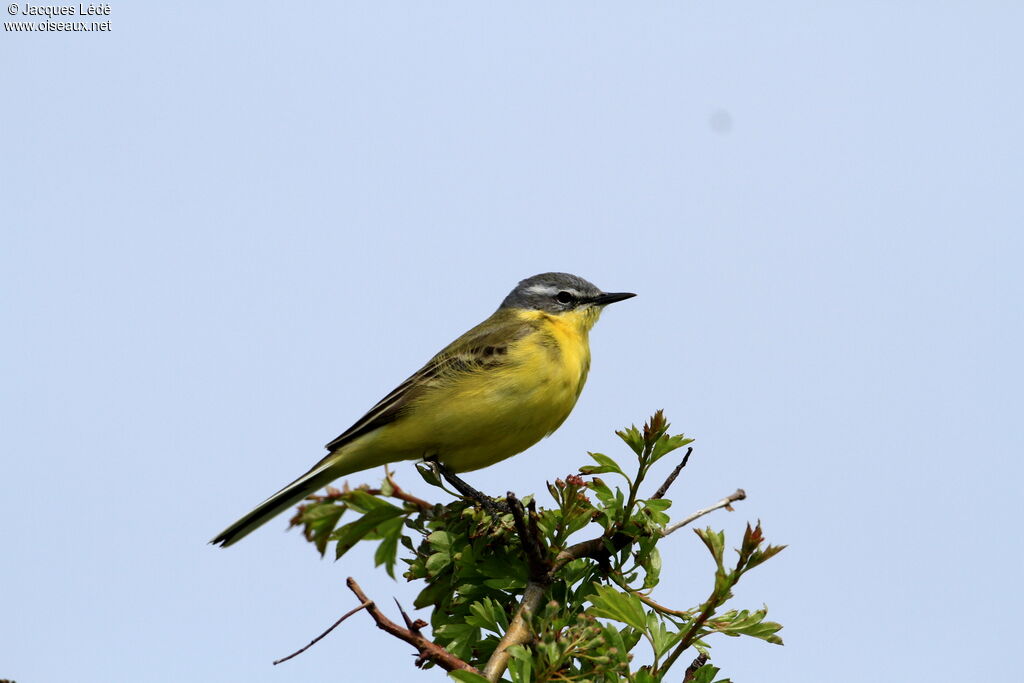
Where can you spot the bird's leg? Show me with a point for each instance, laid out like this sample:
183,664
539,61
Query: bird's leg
495,507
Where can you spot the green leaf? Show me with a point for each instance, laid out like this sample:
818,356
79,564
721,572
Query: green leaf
320,521
661,638
437,562
658,504
440,541
487,614
350,534
705,674
715,541
320,511
361,501
747,623
652,568
759,556
667,444
612,604
633,438
520,665
429,474
605,463
644,676
387,551
603,492
466,676
458,639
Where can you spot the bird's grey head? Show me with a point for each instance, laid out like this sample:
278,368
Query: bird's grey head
558,293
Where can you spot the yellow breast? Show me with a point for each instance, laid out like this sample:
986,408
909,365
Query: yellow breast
479,418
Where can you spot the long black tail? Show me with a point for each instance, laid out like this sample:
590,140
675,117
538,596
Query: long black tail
279,502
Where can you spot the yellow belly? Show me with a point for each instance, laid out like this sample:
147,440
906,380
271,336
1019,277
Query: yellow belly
483,417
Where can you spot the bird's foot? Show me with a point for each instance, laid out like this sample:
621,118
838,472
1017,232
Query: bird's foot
497,508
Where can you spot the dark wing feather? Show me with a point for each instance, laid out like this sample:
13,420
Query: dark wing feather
486,345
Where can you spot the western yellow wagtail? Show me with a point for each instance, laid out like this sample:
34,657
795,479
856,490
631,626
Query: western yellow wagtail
493,392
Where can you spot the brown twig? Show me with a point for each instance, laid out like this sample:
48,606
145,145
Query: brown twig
322,635
663,489
738,494
427,649
401,494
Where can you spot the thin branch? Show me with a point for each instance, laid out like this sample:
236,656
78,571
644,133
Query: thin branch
682,614
663,489
322,635
427,649
332,494
401,494
738,494
494,507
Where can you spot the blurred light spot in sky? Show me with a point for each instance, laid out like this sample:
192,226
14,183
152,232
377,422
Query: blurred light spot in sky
721,121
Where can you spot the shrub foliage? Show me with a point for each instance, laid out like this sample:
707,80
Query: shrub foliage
515,595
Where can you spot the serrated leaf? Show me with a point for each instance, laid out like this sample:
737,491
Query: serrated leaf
606,463
612,604
361,501
440,541
350,534
458,639
633,439
387,551
487,614
705,674
667,444
760,556
644,676
602,491
747,623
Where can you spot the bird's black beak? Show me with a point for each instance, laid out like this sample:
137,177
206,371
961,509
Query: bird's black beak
610,298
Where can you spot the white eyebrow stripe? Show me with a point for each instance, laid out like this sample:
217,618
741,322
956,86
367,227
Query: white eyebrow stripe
551,290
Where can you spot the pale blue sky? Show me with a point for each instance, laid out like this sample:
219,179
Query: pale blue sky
228,231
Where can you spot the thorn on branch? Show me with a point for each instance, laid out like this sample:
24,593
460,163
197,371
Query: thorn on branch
427,650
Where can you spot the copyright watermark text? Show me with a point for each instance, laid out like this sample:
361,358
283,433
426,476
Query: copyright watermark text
46,18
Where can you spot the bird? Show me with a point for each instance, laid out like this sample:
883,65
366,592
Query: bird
492,393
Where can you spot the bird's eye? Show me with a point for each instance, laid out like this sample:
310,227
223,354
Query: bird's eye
564,298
